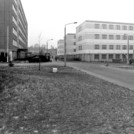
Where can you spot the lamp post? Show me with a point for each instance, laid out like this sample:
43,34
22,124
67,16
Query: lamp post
65,41
127,47
47,44
7,44
39,50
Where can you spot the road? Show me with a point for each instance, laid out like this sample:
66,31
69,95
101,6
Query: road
118,76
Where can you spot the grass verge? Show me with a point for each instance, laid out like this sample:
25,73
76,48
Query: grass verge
67,102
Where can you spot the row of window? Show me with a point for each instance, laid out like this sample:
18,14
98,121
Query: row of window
115,27
111,56
112,37
105,36
111,47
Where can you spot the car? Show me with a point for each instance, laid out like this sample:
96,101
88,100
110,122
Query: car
41,58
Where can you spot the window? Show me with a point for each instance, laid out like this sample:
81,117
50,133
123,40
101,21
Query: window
14,43
74,43
124,47
104,36
111,27
124,27
14,9
96,47
111,47
97,36
80,47
131,56
130,37
15,2
14,31
117,56
104,46
104,26
14,20
74,50
118,27
104,56
96,56
111,37
131,47
110,56
118,47
80,38
118,37
131,28
97,26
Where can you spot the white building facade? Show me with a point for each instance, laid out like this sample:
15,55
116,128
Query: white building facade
104,41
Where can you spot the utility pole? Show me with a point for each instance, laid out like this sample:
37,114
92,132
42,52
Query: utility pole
65,58
127,49
39,50
7,44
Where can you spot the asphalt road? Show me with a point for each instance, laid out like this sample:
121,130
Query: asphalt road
112,74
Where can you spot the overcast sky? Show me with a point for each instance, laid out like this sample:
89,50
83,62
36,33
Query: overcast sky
48,17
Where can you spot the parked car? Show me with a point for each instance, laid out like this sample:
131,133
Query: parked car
41,58
35,58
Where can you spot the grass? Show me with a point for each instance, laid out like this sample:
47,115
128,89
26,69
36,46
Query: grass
67,102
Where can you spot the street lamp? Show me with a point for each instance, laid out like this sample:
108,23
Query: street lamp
127,47
47,44
39,50
65,41
7,44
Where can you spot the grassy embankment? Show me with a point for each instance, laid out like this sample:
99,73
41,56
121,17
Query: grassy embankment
69,102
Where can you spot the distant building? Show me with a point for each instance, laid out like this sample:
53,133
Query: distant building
35,49
71,43
104,41
12,15
70,46
60,47
53,52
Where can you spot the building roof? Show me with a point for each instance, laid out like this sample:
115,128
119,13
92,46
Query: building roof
110,22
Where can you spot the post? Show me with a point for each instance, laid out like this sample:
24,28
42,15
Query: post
39,56
7,44
65,46
47,46
39,50
127,49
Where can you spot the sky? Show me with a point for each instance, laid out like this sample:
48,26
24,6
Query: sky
47,18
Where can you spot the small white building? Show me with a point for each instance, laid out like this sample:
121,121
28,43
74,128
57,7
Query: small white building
104,41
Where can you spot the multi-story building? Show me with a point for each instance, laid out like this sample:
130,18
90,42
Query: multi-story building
70,46
13,28
104,41
60,47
